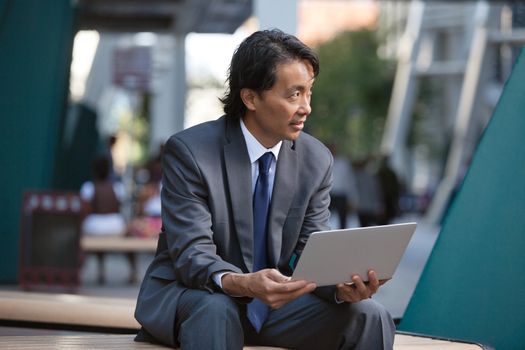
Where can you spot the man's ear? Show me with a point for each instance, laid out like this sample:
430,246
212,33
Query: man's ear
248,98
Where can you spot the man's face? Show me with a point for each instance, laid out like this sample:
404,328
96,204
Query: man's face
279,113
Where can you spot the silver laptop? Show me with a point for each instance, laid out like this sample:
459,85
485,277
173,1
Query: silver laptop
332,257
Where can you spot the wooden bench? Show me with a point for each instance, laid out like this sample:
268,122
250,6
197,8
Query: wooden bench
130,246
125,341
68,310
116,314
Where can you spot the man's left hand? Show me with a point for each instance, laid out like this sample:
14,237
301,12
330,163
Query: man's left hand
359,290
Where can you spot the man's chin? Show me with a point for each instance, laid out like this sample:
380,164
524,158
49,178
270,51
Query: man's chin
293,136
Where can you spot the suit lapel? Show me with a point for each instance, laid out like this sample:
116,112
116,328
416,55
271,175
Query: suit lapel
238,171
282,196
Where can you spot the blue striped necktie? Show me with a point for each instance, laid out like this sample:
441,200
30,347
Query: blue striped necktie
257,310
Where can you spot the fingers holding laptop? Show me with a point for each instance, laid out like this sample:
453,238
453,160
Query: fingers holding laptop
268,285
358,289
353,292
275,289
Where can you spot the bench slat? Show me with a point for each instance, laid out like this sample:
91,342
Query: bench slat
415,342
68,309
114,244
103,341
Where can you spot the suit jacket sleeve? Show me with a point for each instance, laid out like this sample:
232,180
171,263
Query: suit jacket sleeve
317,219
187,219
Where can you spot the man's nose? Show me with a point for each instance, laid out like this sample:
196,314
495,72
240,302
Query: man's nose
305,106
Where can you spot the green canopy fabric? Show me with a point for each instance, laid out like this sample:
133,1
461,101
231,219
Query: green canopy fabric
473,286
36,39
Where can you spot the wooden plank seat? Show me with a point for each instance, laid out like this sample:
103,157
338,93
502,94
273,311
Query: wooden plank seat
117,314
125,341
128,245
68,310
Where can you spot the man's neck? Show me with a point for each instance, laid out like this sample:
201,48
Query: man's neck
256,148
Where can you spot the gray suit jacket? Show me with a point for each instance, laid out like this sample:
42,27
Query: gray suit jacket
207,215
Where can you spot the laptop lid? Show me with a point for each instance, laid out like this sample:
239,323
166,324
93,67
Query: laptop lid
334,256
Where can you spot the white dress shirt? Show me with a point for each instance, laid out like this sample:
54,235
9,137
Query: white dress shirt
255,151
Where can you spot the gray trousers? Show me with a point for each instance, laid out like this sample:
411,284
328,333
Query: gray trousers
216,321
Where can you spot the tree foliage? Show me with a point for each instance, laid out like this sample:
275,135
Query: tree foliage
351,94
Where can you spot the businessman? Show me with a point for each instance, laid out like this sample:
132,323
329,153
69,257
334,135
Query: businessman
240,197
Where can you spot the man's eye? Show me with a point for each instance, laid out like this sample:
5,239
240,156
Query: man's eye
295,94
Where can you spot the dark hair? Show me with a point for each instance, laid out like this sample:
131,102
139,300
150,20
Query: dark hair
254,63
101,168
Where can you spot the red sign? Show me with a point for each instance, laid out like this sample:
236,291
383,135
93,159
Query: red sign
132,68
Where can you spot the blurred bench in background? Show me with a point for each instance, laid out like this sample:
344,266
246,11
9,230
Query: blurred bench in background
128,245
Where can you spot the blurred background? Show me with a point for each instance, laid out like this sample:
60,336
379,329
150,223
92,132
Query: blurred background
91,89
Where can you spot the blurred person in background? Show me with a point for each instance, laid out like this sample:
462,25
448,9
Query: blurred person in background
390,191
147,221
102,197
343,196
370,207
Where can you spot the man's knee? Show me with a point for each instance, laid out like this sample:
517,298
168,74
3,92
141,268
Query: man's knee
212,306
374,320
219,304
205,321
369,326
369,310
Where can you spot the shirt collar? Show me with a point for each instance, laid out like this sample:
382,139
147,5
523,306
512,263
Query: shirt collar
255,149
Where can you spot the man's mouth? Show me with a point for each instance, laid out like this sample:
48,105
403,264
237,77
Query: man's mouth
298,125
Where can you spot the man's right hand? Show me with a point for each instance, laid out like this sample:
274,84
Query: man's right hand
268,285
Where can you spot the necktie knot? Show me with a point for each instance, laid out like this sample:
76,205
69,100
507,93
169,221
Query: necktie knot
264,163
